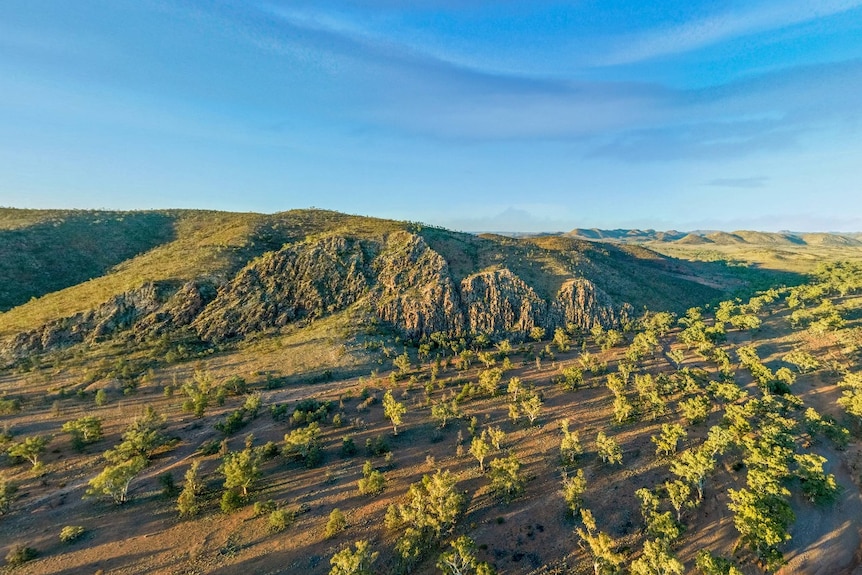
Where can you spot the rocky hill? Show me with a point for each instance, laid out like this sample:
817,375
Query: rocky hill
223,277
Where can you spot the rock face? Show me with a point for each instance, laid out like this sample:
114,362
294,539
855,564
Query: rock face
400,279
306,280
180,309
117,314
580,303
415,292
499,301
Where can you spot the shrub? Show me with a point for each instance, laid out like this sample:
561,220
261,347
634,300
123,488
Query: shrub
169,486
376,446
372,481
231,500
9,406
348,447
264,507
71,533
280,519
336,523
20,554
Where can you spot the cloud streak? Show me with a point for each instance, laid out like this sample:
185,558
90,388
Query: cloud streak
400,89
694,35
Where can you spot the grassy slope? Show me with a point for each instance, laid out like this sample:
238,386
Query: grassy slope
45,251
182,245
198,245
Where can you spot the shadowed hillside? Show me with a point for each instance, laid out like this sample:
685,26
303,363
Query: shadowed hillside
45,251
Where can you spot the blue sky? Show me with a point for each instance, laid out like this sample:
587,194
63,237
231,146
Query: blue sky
474,114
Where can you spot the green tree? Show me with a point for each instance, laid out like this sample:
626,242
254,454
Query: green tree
696,409
562,340
570,444
461,559
802,360
506,477
693,466
718,440
656,559
532,408
623,409
7,495
679,494
489,380
677,356
115,479
537,333
393,410
574,488
354,562
851,398
761,518
198,393
608,449
571,377
430,510
444,410
402,363
671,434
304,444
818,486
479,448
606,561
335,524
710,564
515,388
141,438
30,448
187,502
496,436
84,430
241,469
372,481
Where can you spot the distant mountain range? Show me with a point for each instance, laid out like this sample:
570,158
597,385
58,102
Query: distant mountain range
718,237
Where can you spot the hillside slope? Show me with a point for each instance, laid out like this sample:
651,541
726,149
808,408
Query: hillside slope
223,276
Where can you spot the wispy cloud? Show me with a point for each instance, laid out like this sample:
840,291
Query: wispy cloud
697,34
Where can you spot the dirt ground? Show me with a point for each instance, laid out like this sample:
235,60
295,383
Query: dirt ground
530,535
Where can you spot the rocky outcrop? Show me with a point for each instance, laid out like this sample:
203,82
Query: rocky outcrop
415,292
180,309
499,301
580,303
117,314
306,280
400,279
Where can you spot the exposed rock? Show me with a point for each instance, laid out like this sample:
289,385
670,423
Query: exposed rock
310,279
582,304
181,308
415,292
117,314
404,282
499,301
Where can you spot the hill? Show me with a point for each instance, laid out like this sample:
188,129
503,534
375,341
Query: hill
211,278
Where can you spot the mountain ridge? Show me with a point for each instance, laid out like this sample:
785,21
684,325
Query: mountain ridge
226,276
